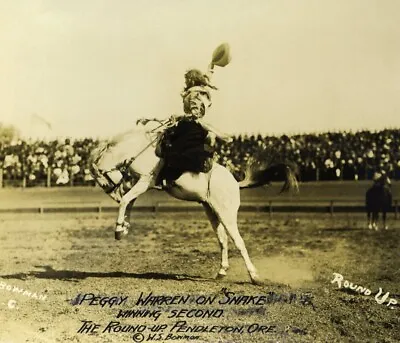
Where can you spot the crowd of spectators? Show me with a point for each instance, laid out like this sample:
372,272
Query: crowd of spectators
325,156
58,162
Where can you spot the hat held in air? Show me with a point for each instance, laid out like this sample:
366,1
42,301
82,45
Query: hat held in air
221,55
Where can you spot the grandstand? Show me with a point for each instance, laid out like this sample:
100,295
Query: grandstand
321,157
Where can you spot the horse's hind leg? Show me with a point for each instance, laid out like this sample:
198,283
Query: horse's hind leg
231,226
222,239
224,199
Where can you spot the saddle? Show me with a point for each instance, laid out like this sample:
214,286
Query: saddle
184,148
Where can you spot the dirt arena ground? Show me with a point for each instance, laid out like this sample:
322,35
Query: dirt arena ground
46,261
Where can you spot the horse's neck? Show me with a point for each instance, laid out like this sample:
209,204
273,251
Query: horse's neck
129,145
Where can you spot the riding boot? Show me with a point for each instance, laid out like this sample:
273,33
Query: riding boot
161,185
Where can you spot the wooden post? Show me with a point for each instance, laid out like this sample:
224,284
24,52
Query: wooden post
331,208
1,176
317,174
48,182
24,181
270,209
99,211
71,177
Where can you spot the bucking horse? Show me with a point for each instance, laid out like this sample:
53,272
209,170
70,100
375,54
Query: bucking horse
127,166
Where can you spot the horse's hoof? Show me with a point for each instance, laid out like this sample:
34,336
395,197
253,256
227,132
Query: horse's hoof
220,276
119,234
257,281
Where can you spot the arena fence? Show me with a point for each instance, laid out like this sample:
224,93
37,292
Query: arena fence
48,180
330,208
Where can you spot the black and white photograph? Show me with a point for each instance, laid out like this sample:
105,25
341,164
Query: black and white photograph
220,171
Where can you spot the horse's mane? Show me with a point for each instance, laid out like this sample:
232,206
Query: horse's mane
120,137
113,141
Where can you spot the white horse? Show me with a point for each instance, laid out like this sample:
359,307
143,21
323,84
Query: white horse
128,166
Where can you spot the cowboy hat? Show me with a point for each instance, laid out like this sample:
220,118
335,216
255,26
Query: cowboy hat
221,55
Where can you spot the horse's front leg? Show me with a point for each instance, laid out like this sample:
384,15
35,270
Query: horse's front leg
129,211
375,219
141,186
384,220
124,227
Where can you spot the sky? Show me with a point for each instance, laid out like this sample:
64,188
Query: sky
91,68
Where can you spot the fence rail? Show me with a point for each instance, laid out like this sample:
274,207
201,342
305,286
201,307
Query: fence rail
305,206
48,179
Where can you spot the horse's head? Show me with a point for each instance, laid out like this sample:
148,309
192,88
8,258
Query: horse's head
96,153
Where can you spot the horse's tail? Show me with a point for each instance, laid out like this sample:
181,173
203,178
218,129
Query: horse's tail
258,173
